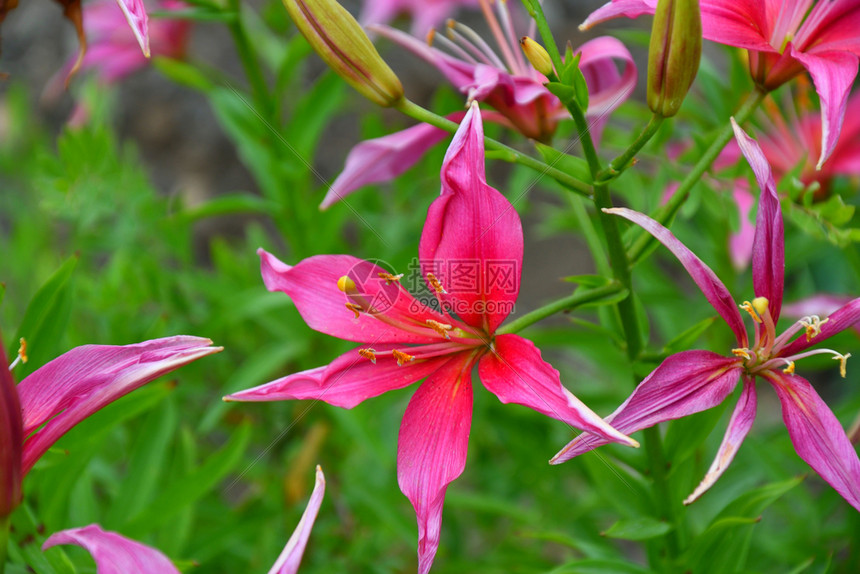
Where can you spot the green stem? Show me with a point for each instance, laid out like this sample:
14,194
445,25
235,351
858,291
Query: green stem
250,63
617,166
563,304
592,239
415,111
535,10
4,540
667,212
615,245
663,502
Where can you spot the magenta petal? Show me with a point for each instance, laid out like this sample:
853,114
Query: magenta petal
617,8
76,384
312,285
833,74
713,289
741,23
472,239
768,256
12,435
383,159
135,13
607,88
113,553
741,243
846,316
291,556
347,381
683,384
739,426
432,446
817,435
516,373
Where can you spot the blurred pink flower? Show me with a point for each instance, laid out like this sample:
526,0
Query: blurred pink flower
65,391
471,256
425,13
506,82
116,554
783,38
692,381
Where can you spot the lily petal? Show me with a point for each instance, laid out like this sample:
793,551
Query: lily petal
616,8
516,373
384,158
607,88
833,74
683,384
846,316
741,243
76,384
817,435
473,239
291,556
739,426
432,446
389,315
347,381
13,438
135,13
713,289
114,553
768,256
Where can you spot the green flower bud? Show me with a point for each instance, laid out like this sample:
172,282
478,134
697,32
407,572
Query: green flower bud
674,53
537,56
340,41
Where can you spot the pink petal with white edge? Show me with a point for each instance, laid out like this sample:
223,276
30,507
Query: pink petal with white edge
607,88
432,447
833,74
739,426
472,228
817,435
713,289
383,159
768,256
291,556
391,314
347,381
685,383
618,8
114,553
846,316
76,384
135,13
515,372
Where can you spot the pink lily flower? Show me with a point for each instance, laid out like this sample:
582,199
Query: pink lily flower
65,391
783,38
692,381
116,554
137,18
471,255
425,14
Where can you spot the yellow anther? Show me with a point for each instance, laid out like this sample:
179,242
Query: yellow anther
346,284
389,278
437,285
430,36
760,305
843,363
441,328
354,308
402,357
789,369
749,308
813,326
742,353
368,354
22,350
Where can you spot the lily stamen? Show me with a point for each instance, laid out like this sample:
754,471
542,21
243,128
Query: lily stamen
441,328
22,354
436,284
749,308
402,357
789,369
812,324
745,353
369,354
357,309
389,278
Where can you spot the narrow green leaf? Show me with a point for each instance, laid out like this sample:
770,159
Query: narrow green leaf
642,528
572,165
229,205
184,74
590,281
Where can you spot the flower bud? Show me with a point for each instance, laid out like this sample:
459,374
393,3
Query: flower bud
537,56
11,439
674,53
342,44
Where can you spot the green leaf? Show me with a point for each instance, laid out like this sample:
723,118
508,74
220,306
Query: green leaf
685,435
571,165
600,566
685,340
190,488
590,281
642,528
565,93
184,74
231,204
45,319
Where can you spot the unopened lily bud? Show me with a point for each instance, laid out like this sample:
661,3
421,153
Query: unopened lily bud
11,440
336,36
674,54
537,55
